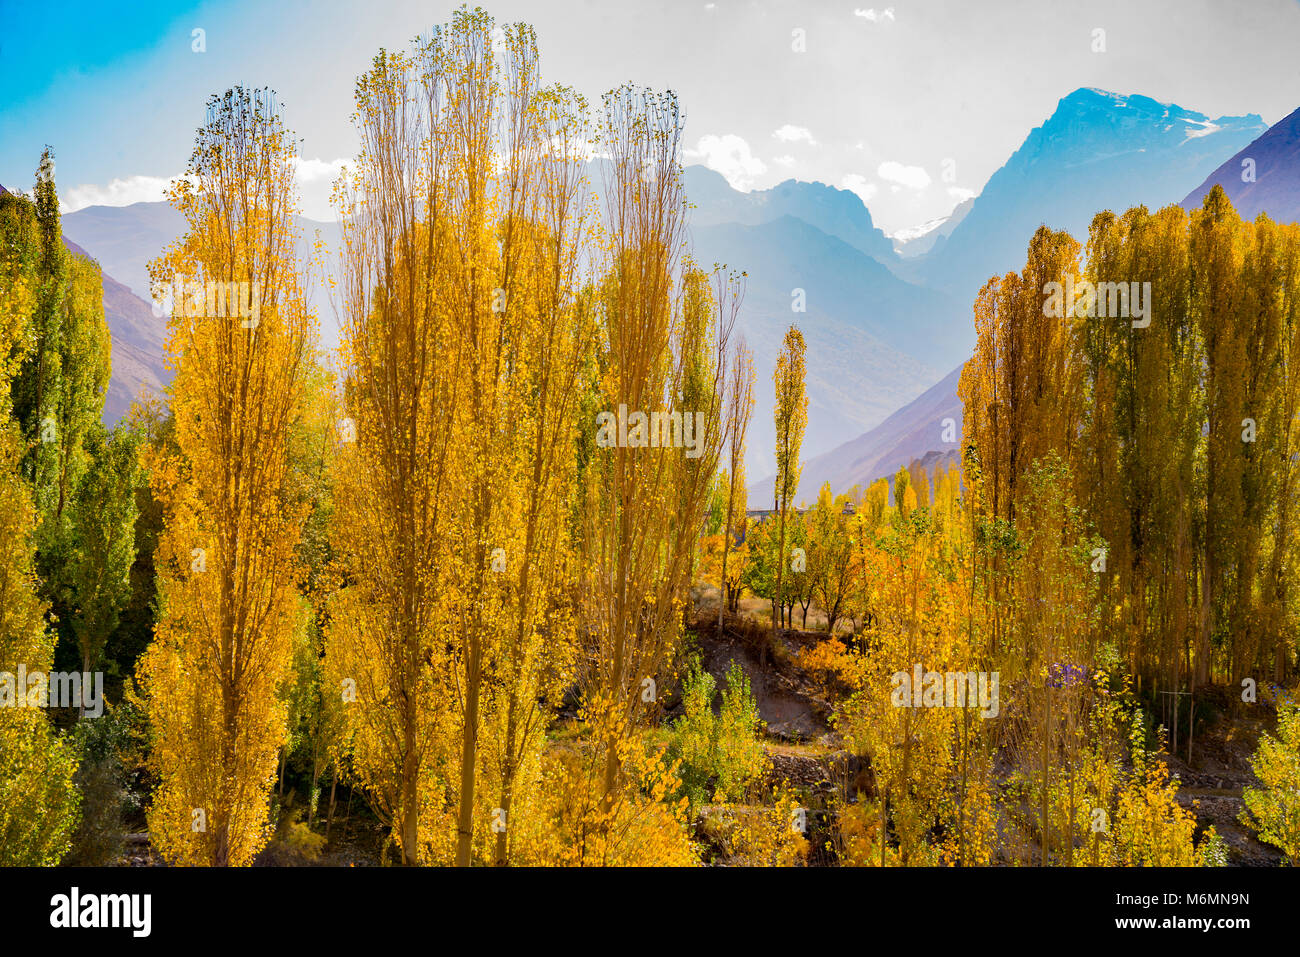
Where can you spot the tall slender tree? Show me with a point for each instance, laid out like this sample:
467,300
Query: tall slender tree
791,416
740,409
662,354
227,574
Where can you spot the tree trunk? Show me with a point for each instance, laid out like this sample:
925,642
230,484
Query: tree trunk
410,822
329,821
468,754
507,788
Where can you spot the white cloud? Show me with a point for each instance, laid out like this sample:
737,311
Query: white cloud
315,182
317,170
960,193
858,184
794,134
784,160
730,156
499,46
873,16
119,192
913,177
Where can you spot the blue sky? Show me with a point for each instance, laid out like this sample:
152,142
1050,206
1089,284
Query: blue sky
877,101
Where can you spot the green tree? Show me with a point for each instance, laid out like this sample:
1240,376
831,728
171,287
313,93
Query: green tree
38,802
103,517
830,553
721,754
1274,808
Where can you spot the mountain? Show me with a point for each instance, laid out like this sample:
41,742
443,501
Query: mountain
125,238
138,336
836,212
873,341
922,239
1097,151
879,327
1275,188
916,431
138,366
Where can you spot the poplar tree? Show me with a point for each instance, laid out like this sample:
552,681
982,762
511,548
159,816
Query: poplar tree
662,347
739,411
791,417
466,343
38,800
398,460
226,558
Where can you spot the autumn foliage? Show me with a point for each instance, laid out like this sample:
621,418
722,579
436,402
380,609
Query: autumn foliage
491,568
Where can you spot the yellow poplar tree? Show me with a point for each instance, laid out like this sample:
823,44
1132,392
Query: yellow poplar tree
228,602
398,457
791,416
740,409
465,347
661,351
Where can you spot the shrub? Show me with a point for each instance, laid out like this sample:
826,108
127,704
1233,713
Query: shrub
102,782
1273,810
720,755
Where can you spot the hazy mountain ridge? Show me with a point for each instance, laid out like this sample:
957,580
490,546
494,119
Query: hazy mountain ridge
1102,145
1275,189
139,366
875,341
915,431
861,345
910,243
125,238
138,337
836,212
1096,151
